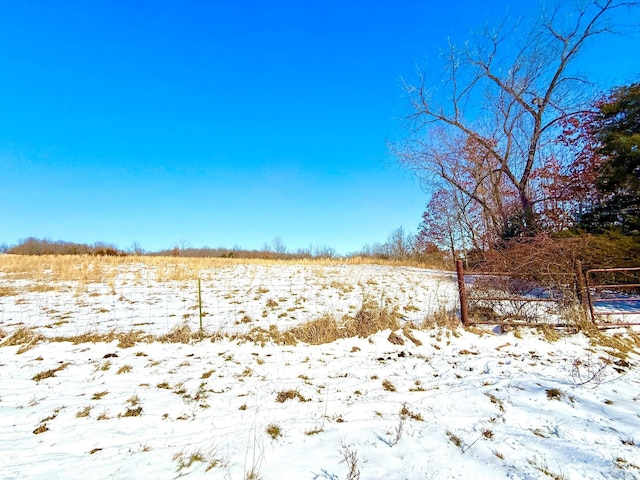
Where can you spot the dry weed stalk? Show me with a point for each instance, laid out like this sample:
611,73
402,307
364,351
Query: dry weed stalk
587,371
350,457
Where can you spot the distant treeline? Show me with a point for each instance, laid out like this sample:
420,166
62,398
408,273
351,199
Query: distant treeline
222,252
398,247
36,246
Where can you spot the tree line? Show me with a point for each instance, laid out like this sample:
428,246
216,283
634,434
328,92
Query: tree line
399,246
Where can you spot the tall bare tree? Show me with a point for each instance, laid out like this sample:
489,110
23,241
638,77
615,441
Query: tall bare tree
497,114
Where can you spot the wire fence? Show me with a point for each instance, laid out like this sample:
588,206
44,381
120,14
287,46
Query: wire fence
233,300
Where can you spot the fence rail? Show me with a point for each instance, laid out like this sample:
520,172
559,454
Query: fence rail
603,293
612,297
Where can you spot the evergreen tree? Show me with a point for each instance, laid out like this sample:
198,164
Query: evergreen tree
617,128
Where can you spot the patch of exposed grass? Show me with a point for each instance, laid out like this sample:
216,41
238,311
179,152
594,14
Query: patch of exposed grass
371,318
124,369
442,318
314,431
407,332
186,460
49,373
132,412
405,412
317,332
104,415
41,429
25,337
496,401
456,440
541,465
417,387
262,336
179,334
549,333
388,386
285,395
274,431
554,394
84,412
8,292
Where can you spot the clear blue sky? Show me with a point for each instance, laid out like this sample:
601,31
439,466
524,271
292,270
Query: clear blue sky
222,122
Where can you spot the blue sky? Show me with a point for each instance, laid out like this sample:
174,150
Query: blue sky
223,123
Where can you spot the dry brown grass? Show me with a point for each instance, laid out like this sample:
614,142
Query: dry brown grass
102,269
407,332
388,386
441,318
262,336
25,337
179,334
285,395
55,268
319,331
49,373
8,291
88,337
370,319
618,344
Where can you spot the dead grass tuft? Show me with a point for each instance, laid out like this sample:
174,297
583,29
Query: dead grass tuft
285,395
442,318
49,373
405,412
8,292
407,332
84,412
25,337
554,394
549,333
263,336
41,429
274,431
129,339
388,386
88,337
617,345
317,332
179,334
132,412
370,319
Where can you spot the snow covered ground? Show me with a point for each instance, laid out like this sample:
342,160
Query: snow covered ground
447,404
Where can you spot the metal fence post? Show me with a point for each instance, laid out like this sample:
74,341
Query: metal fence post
464,313
582,289
200,305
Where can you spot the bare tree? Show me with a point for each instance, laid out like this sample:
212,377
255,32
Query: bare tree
399,245
497,115
136,249
278,246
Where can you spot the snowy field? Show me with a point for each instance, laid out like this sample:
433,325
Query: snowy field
428,403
